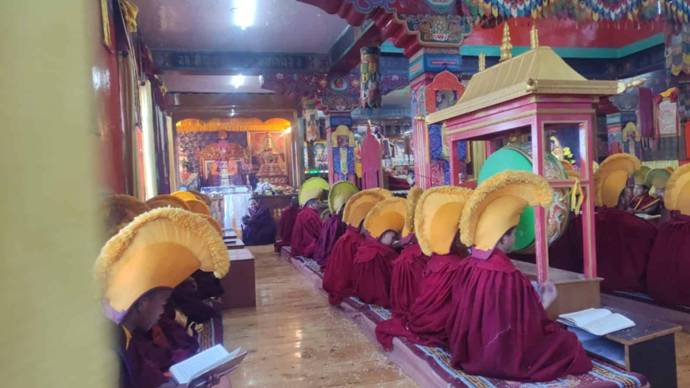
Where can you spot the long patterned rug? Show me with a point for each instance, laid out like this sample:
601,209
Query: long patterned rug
430,366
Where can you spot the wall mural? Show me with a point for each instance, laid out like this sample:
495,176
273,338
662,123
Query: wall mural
226,158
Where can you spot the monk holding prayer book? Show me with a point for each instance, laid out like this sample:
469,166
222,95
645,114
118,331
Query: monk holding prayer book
499,327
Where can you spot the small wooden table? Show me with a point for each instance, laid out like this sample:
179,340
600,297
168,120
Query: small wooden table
647,348
240,283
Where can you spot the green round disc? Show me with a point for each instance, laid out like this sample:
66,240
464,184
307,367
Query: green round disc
505,159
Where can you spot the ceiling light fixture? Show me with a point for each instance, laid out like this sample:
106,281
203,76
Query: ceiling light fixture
243,13
237,80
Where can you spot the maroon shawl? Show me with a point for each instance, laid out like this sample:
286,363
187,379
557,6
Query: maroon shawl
407,273
142,363
499,328
287,221
337,276
305,232
371,272
331,231
669,263
426,321
624,242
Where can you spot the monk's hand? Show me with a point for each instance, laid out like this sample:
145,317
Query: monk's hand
548,293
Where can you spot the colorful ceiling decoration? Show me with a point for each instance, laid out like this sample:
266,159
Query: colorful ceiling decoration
233,125
677,9
678,52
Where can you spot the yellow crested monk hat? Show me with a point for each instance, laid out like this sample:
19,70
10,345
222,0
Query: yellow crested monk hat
166,200
339,194
677,196
160,248
496,205
412,198
658,178
612,176
360,203
437,216
386,215
312,188
640,175
120,209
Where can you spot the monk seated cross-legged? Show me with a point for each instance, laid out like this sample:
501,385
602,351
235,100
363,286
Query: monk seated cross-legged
436,221
669,261
371,271
258,226
337,278
333,227
409,266
307,226
499,327
624,241
139,267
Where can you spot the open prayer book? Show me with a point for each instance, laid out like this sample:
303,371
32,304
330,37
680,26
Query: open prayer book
215,360
596,321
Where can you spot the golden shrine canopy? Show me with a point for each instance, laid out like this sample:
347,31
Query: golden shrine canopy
537,71
233,124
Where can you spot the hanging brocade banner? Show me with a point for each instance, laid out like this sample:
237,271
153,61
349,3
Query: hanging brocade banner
613,9
370,77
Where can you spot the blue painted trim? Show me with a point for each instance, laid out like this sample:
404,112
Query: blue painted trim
573,52
389,48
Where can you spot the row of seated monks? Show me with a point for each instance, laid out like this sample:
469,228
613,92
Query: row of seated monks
438,260
636,254
159,272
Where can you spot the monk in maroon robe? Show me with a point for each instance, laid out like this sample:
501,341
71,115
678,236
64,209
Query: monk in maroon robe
337,279
426,321
669,262
436,227
287,221
371,269
408,269
306,230
499,327
331,231
643,202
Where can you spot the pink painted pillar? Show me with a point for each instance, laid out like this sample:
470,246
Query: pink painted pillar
541,239
589,241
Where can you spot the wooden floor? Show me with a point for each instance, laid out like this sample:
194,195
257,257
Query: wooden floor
295,339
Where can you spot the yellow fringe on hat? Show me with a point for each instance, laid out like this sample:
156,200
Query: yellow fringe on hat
531,188
199,233
412,198
424,222
351,207
166,200
676,186
388,214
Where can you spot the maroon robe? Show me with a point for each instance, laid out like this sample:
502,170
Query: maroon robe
371,272
624,242
566,252
668,273
337,278
305,232
142,363
426,322
408,269
331,231
287,221
499,328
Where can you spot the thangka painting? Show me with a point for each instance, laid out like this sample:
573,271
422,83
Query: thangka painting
208,159
269,156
